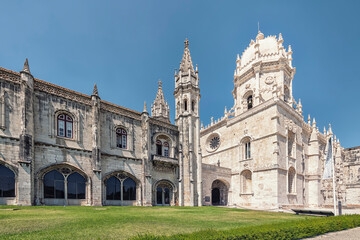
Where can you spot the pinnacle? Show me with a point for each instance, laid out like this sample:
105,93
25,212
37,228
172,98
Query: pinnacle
95,91
145,107
26,66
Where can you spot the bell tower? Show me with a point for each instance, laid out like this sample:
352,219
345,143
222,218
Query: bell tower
187,97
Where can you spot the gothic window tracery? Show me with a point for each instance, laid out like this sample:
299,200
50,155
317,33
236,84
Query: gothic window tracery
214,142
121,138
54,184
120,189
64,126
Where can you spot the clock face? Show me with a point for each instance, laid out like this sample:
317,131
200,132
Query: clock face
214,142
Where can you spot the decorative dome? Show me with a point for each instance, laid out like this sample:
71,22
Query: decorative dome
266,47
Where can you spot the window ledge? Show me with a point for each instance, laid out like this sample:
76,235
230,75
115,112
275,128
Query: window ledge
65,138
246,194
292,194
244,160
163,159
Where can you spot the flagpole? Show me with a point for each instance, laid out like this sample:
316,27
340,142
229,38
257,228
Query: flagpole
333,173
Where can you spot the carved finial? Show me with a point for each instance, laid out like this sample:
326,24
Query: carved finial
314,123
334,138
212,120
280,38
145,107
26,67
196,68
290,50
300,106
330,131
186,43
309,119
225,112
324,130
95,91
238,58
159,83
175,72
202,125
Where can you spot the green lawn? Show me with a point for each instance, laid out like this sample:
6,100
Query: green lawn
47,222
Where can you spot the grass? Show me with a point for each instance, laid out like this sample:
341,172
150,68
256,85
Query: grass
56,222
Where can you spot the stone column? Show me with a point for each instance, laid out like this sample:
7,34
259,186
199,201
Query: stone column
145,155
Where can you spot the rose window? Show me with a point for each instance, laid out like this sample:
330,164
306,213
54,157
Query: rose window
214,142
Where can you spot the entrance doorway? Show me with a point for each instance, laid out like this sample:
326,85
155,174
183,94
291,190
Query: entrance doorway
219,193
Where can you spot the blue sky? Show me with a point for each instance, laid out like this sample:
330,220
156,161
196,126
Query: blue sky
127,46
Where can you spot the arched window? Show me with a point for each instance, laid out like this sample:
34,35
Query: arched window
246,179
291,180
76,186
193,106
121,138
166,149
65,126
159,147
249,102
185,105
164,192
7,182
129,189
113,189
124,189
54,185
247,149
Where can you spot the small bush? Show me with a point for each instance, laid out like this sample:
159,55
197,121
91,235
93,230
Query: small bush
289,230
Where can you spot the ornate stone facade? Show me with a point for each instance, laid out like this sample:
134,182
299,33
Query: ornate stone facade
273,157
60,147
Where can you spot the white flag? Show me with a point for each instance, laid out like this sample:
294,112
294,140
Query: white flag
328,162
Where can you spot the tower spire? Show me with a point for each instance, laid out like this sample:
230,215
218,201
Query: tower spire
159,108
186,62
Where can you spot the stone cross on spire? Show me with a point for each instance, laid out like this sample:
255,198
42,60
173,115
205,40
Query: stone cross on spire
186,43
160,108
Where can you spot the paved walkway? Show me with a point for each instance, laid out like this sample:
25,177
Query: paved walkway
350,234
